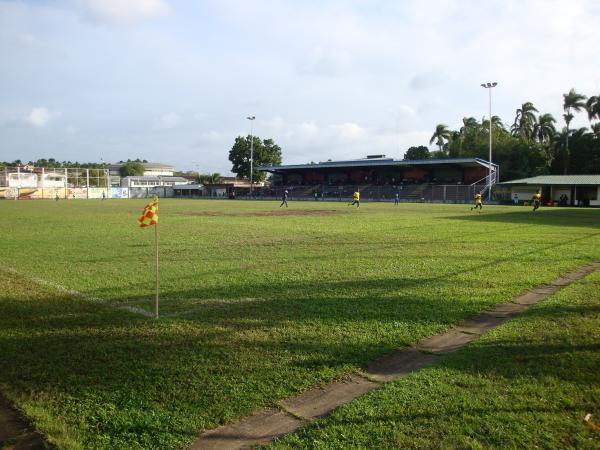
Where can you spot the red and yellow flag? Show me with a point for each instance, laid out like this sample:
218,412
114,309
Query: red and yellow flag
150,214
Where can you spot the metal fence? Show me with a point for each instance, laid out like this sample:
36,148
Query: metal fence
452,193
29,182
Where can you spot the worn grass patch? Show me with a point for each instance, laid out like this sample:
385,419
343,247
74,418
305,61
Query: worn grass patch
257,307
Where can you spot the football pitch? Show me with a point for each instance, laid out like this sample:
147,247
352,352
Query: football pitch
258,303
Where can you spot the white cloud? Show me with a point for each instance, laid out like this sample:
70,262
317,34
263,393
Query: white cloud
124,12
168,121
39,117
349,131
424,81
29,40
308,129
325,62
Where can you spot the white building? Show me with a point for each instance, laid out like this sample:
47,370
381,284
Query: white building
20,180
53,180
152,181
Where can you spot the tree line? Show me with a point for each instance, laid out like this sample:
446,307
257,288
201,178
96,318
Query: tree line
531,146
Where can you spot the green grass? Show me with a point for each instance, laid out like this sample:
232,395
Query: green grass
527,384
256,306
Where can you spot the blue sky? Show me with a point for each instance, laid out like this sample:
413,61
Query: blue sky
173,80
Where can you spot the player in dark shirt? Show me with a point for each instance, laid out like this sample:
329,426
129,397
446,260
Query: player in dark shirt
284,199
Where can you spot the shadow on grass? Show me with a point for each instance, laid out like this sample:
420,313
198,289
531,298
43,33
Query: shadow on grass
121,374
554,217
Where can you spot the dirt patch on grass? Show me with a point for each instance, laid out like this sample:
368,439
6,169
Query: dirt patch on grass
275,212
16,432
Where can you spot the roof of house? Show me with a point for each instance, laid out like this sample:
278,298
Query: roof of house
147,165
156,178
570,180
375,162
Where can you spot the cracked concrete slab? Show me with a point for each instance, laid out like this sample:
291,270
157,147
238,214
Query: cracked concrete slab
259,428
319,402
547,289
481,323
508,310
398,364
530,298
448,342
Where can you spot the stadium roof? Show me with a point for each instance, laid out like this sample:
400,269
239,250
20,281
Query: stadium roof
380,162
570,180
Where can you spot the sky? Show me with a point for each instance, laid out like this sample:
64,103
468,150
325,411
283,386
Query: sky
173,81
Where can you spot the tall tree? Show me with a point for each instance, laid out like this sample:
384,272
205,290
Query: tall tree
416,153
545,132
210,178
266,153
593,107
571,102
544,129
525,121
441,134
596,130
131,168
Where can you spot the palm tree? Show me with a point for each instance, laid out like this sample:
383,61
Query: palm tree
440,134
544,129
596,130
470,127
211,178
496,124
525,121
593,107
469,123
572,101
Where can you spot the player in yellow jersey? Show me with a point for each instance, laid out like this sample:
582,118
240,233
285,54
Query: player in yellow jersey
478,202
537,200
356,201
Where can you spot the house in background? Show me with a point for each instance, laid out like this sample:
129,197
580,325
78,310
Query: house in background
152,181
580,190
151,169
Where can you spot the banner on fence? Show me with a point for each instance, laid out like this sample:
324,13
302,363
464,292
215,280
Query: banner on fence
118,192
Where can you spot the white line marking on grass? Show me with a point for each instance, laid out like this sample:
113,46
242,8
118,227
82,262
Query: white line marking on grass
77,294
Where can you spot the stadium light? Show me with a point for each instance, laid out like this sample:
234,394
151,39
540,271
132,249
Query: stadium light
251,119
489,87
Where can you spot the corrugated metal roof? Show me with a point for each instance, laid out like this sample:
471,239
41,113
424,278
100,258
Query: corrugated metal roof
558,179
375,162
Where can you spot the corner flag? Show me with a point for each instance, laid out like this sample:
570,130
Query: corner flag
149,214
150,217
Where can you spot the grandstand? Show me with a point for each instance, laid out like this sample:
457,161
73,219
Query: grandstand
452,180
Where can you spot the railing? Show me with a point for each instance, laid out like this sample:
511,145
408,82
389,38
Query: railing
425,192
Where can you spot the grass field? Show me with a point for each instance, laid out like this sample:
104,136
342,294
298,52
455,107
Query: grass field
528,384
258,303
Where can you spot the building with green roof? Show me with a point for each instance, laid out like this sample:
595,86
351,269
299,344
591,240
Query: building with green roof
579,190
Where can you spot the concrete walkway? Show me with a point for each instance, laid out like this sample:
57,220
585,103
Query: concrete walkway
296,412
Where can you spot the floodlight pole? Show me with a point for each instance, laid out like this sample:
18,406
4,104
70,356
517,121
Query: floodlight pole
489,87
251,119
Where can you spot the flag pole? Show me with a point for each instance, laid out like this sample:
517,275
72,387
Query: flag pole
157,285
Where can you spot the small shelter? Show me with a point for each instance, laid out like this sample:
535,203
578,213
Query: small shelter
579,190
